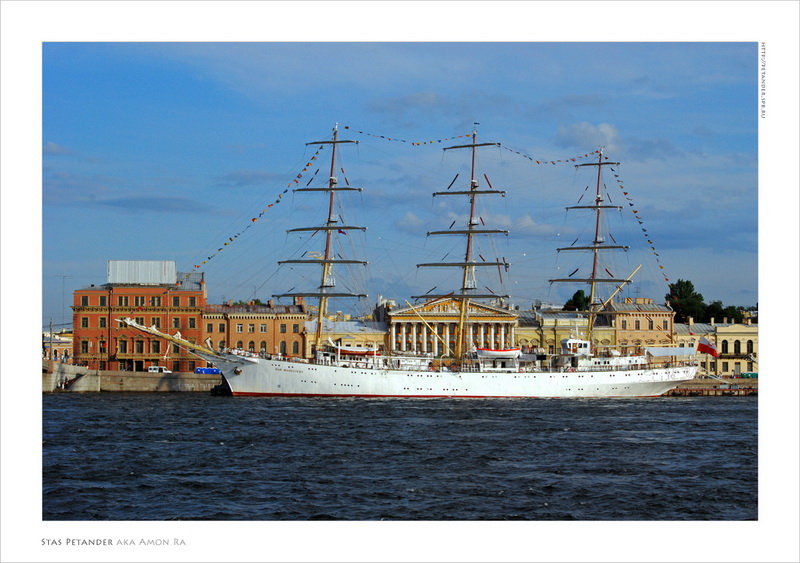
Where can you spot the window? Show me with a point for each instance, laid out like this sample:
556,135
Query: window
239,344
138,346
122,346
624,324
637,324
84,300
221,344
666,324
251,346
283,347
155,301
176,322
283,329
102,321
192,301
251,328
650,324
176,301
295,328
737,347
103,301
222,327
724,367
138,301
122,300
139,320
155,346
191,366
209,327
192,322
750,366
263,346
239,327
749,346
263,328
725,347
295,347
175,348
84,322
176,366
84,346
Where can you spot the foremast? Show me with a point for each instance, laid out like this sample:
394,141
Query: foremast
468,290
597,246
331,227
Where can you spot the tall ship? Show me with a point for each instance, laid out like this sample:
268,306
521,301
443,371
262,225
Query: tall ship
465,362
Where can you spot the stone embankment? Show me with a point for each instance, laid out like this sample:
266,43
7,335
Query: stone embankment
63,378
710,387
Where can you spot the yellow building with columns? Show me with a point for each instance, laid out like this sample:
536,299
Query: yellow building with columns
432,328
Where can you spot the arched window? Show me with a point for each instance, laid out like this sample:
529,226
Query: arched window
749,346
239,344
724,346
263,346
251,346
221,344
283,347
295,347
737,347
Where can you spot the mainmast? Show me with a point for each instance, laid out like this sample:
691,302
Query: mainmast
331,227
599,242
468,282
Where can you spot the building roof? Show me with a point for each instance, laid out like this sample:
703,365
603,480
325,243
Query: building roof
256,309
639,307
698,328
187,281
352,327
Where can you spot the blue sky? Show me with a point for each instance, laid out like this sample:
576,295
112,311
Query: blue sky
163,151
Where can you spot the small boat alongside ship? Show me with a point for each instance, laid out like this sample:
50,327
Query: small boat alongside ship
466,369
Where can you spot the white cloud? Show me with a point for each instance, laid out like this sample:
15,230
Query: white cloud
53,149
586,134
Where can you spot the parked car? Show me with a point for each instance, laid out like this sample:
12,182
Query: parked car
158,369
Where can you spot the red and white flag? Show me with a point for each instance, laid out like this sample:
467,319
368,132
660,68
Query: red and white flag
707,347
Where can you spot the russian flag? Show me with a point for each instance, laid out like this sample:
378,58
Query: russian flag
707,347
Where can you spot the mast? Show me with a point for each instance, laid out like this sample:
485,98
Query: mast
332,225
468,266
597,245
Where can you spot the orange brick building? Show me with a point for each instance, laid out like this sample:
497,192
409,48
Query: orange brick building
153,294
268,329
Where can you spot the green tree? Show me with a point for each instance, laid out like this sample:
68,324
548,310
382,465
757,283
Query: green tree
686,302
578,302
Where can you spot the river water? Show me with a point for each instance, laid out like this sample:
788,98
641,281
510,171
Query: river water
191,456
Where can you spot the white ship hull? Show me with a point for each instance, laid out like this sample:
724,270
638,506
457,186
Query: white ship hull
261,377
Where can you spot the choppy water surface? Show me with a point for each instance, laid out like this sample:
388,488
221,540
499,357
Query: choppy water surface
184,456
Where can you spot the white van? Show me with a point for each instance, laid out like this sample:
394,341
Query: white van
158,369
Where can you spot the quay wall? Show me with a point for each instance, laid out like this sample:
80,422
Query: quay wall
725,387
62,378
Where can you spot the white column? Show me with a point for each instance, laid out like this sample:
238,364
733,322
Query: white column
447,337
424,339
502,336
482,329
403,337
491,336
394,335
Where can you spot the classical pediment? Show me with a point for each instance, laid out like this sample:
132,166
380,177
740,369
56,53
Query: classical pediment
449,308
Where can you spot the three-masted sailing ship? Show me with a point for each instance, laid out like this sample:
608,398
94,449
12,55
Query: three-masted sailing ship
465,369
